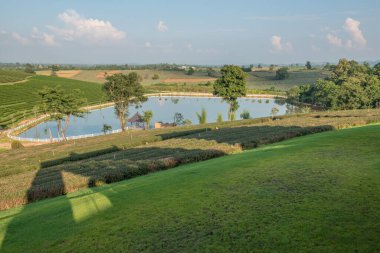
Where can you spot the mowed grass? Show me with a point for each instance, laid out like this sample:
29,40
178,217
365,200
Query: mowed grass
45,171
17,100
317,193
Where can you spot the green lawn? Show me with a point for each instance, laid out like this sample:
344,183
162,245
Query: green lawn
315,193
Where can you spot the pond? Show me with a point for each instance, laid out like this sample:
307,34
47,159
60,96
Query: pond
163,108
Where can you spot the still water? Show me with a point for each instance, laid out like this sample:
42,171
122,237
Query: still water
163,109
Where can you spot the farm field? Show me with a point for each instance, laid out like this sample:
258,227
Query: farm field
255,80
98,76
300,194
50,170
17,100
9,75
266,79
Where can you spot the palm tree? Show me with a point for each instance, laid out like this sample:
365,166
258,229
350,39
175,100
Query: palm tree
147,117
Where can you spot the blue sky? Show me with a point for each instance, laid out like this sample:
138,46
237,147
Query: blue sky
188,32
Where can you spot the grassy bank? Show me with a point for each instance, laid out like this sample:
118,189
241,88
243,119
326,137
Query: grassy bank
304,194
55,169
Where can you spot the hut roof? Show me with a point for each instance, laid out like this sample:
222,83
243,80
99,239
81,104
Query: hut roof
135,118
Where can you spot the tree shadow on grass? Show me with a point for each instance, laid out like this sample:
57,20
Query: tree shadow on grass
29,226
253,136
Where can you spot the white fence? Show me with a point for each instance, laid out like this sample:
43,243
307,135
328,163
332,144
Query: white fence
11,136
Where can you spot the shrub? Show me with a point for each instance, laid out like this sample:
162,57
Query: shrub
219,118
245,115
282,74
16,145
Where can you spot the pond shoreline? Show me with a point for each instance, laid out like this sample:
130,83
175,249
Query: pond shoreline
26,124
204,94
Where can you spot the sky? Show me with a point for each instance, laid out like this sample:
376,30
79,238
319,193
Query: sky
213,32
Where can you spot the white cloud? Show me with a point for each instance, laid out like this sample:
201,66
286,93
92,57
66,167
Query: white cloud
147,44
334,40
162,27
278,45
47,39
352,27
79,27
189,46
20,39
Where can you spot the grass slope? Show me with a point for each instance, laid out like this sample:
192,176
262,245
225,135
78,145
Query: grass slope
314,193
12,75
17,101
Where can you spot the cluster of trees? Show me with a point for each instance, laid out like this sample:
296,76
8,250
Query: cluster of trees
350,86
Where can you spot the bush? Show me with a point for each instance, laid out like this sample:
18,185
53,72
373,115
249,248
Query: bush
282,74
245,115
16,145
155,77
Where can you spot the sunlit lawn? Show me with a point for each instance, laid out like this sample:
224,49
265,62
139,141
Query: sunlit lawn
317,193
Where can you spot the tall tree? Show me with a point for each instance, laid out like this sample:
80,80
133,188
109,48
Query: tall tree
60,105
308,65
124,90
230,86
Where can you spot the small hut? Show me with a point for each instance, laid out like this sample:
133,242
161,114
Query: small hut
136,120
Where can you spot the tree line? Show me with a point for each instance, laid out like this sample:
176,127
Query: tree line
350,86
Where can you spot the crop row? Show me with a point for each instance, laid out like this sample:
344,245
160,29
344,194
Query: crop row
18,100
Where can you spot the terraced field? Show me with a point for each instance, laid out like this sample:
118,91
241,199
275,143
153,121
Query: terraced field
11,75
17,101
51,170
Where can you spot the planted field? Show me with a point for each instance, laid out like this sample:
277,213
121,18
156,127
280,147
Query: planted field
52,170
98,76
266,79
9,76
60,73
17,101
299,195
255,80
